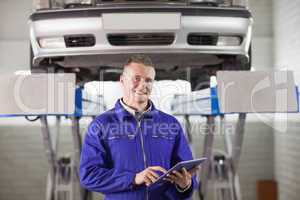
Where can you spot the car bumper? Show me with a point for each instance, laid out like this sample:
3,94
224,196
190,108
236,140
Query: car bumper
58,24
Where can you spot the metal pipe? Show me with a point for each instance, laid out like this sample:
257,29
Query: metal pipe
50,154
238,141
207,152
188,129
76,140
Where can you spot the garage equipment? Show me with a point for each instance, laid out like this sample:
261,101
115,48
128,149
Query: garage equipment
263,92
54,96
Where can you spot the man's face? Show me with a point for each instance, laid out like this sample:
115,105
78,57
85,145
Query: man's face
137,81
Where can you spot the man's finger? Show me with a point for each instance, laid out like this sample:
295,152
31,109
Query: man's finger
151,177
153,173
170,180
186,173
179,175
147,181
158,168
173,177
194,170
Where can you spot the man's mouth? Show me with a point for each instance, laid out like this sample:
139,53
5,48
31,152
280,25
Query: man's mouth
141,93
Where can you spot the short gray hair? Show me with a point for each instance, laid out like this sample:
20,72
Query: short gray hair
141,59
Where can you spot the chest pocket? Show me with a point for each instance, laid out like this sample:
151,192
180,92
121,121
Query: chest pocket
118,137
121,140
164,136
122,148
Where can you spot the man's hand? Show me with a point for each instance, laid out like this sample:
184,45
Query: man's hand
183,179
148,176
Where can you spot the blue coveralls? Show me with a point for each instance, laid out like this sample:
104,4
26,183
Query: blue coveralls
117,147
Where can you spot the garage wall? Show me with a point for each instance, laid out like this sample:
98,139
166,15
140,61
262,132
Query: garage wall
262,43
23,166
286,35
287,141
14,34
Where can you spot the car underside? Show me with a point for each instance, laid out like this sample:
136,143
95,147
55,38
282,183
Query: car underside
185,41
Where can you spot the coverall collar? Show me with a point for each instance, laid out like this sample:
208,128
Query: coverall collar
122,113
132,110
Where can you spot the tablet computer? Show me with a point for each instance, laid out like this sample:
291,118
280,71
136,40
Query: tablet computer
188,165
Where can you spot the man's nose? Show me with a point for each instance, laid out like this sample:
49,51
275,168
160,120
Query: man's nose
143,83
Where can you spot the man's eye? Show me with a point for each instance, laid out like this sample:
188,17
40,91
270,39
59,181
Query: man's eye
149,80
136,79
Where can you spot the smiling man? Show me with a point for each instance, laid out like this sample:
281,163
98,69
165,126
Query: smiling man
128,147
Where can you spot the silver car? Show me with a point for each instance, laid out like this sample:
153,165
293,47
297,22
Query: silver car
186,39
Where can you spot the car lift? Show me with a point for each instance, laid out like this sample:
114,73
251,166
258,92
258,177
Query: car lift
221,170
55,93
63,178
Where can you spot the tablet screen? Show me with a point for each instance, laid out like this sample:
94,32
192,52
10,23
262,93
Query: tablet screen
188,164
